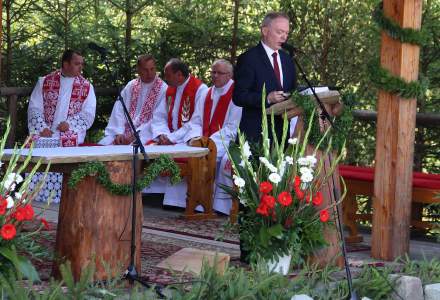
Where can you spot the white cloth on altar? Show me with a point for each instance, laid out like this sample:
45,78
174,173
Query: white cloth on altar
117,122
78,123
159,124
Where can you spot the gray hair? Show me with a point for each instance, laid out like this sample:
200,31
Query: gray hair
270,16
225,63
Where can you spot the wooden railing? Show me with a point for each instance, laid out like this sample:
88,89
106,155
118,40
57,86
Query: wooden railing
13,95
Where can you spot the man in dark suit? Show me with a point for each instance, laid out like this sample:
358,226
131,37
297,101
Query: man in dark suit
264,65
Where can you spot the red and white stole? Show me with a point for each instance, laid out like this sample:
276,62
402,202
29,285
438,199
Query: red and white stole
51,92
187,102
212,125
148,107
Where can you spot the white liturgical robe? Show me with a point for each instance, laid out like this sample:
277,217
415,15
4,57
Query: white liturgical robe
117,122
78,122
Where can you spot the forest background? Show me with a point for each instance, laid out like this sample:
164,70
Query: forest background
337,39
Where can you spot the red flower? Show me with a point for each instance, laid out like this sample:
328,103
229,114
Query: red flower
45,223
265,187
28,212
297,182
2,210
285,199
8,231
317,200
20,214
323,215
268,200
263,209
299,193
3,202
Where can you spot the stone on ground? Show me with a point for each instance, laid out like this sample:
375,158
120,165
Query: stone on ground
407,287
432,291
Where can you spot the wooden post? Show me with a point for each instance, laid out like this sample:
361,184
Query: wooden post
395,139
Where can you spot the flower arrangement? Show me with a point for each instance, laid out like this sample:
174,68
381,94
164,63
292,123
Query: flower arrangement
279,187
15,211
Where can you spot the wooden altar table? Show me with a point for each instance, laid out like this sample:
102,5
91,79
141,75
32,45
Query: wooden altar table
94,225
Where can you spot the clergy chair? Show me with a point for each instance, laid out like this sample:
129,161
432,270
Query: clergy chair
200,176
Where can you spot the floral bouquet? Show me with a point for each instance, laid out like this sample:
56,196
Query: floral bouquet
15,212
279,188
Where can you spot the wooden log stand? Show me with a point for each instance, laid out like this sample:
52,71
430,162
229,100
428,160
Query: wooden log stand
94,226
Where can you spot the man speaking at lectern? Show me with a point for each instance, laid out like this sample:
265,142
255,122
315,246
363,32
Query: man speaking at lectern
264,65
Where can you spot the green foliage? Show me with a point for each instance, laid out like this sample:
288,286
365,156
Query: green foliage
160,165
342,123
427,270
383,79
405,35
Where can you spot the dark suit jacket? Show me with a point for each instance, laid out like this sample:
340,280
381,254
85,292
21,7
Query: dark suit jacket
252,72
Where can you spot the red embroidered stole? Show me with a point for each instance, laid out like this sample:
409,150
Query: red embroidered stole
148,106
51,92
187,102
218,118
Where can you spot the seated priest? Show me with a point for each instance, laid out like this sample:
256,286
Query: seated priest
141,97
217,117
61,108
169,125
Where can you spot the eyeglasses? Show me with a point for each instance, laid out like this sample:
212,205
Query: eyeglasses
218,73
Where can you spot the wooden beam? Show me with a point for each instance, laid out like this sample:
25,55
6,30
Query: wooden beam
395,139
422,119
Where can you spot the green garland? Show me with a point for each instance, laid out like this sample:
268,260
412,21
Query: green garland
342,123
381,77
405,35
384,80
97,169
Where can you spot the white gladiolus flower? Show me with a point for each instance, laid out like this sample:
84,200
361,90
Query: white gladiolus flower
275,178
289,160
312,160
307,177
14,177
282,168
302,161
246,150
292,141
238,181
1,164
10,202
18,196
241,164
9,185
304,170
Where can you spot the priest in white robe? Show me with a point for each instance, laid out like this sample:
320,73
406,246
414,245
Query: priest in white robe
141,97
218,118
61,109
170,121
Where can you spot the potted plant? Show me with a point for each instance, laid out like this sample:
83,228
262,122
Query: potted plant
283,215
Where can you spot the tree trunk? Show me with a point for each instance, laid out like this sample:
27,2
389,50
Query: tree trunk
8,65
234,41
128,30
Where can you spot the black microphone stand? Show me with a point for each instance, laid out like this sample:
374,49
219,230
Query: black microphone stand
131,273
324,115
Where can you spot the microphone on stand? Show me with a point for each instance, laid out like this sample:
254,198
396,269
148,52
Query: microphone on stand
101,50
291,49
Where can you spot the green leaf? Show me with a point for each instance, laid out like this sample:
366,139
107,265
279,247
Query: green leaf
276,231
